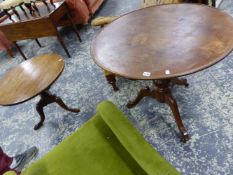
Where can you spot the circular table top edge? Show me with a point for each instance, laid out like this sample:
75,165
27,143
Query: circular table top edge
34,95
167,76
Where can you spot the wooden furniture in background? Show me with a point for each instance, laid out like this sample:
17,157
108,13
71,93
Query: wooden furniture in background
11,5
78,9
31,78
41,25
173,41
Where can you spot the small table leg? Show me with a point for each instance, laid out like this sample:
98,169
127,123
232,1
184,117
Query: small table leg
161,91
48,98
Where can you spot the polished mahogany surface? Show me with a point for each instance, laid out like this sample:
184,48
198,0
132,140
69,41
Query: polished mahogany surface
30,78
164,41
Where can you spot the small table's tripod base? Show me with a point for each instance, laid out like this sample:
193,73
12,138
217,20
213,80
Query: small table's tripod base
48,98
161,91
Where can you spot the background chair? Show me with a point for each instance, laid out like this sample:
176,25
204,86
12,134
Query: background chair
105,145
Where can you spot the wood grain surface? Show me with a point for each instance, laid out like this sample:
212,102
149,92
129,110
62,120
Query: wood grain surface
30,78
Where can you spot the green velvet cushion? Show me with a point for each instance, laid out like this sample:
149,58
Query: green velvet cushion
10,173
105,145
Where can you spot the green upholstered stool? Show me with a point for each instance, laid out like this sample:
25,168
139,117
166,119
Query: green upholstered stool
105,145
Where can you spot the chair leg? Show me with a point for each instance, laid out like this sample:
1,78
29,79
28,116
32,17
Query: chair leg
63,45
35,8
60,39
16,13
25,13
72,22
37,41
8,14
20,51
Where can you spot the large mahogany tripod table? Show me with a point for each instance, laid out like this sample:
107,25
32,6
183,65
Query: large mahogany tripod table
162,43
31,78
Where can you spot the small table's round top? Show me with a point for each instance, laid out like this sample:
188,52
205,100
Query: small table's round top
164,41
30,78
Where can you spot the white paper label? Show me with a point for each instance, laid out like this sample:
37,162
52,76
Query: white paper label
167,72
146,74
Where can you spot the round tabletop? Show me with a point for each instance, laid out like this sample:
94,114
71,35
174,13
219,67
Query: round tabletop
30,78
164,41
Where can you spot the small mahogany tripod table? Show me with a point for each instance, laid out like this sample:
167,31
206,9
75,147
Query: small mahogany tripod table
31,78
162,43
